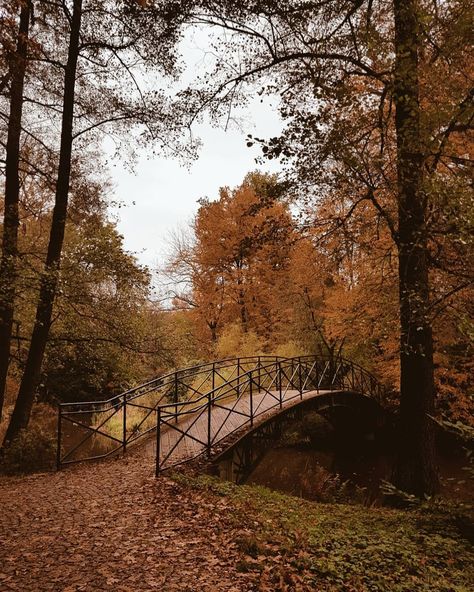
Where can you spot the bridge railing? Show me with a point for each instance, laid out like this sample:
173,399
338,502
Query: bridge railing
346,375
195,427
96,429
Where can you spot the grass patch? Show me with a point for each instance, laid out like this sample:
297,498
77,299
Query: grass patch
295,545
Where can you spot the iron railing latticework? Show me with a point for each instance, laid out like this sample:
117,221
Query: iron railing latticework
195,408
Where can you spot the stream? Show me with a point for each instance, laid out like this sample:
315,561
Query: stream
348,471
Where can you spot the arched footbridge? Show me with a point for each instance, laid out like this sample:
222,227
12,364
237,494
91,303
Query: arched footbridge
198,410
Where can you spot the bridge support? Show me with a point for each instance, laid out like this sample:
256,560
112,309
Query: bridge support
158,442
339,407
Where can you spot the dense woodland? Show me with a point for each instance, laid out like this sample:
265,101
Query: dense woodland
361,247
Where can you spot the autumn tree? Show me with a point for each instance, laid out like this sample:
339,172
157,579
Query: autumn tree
356,83
106,42
303,298
15,77
232,265
106,333
30,379
103,336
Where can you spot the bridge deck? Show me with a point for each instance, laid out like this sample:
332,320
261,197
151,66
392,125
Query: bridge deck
225,419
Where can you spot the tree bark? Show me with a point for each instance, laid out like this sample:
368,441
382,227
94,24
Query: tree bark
11,221
415,470
50,276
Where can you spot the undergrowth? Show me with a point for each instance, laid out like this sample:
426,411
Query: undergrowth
34,449
291,545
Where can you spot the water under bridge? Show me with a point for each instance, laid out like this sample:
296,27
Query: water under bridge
204,409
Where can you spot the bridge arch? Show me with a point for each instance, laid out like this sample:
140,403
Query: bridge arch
349,413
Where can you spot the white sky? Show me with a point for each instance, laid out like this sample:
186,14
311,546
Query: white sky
161,194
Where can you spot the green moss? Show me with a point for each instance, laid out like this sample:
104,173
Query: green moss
346,548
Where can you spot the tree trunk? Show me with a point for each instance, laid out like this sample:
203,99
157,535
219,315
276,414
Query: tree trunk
11,222
415,470
241,295
243,310
50,276
213,327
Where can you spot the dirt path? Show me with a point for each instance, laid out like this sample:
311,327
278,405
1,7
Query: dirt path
112,526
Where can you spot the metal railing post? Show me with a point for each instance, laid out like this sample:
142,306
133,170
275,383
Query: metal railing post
124,435
279,384
213,376
238,377
251,398
58,449
209,440
300,377
158,441
259,385
176,397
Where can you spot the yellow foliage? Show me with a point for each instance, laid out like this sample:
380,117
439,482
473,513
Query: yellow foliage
235,342
290,349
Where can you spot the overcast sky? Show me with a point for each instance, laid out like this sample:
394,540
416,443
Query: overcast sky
161,194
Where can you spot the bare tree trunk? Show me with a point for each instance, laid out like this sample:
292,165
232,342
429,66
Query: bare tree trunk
11,221
49,280
415,470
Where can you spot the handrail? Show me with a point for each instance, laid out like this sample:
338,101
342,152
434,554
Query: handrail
339,374
163,377
156,388
96,429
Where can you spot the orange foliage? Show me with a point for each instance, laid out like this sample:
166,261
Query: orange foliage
257,283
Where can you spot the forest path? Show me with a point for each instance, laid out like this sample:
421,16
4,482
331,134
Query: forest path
113,526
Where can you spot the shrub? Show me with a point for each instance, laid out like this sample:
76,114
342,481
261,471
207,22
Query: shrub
290,349
33,450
